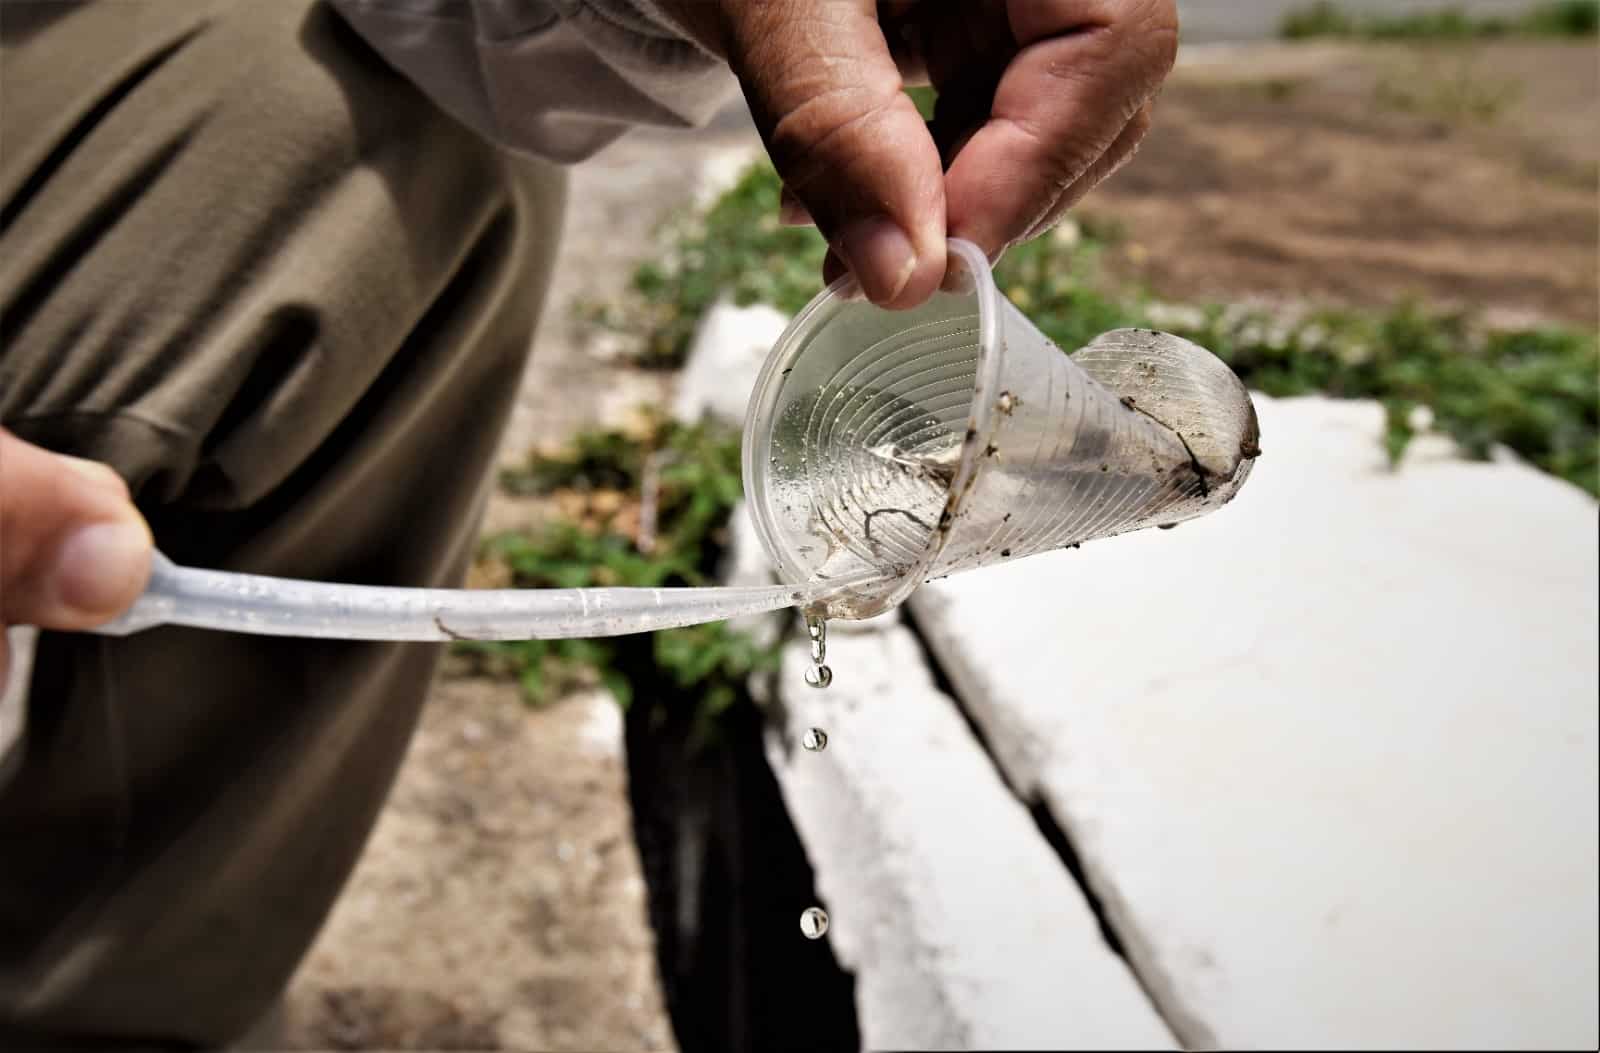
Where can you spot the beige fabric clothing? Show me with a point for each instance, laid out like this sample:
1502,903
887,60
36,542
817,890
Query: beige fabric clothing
253,268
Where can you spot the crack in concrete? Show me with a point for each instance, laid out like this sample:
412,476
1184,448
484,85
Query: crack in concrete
1117,929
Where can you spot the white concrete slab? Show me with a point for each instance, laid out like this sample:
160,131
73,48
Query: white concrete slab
1328,755
961,925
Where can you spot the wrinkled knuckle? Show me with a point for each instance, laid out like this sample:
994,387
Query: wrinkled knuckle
1065,156
816,136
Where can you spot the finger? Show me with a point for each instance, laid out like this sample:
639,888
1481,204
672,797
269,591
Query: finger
74,552
849,144
1120,153
1085,69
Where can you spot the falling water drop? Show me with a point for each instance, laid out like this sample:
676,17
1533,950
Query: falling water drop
815,740
819,675
814,923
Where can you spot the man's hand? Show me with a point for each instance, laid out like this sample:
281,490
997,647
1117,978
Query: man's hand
1039,100
74,552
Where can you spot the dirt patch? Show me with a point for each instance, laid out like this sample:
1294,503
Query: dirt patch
1367,175
499,904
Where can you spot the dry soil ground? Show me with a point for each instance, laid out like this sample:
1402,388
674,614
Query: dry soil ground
499,903
1461,175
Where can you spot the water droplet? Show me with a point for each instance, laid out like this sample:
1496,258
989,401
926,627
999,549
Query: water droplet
813,923
815,740
819,675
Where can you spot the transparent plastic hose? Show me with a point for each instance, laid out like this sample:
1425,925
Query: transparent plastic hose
249,603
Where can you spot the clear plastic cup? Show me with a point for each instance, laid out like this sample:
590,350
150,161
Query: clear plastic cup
884,448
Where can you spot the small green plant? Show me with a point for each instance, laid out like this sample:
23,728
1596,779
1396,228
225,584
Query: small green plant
694,484
924,97
1318,20
1569,18
1563,18
737,248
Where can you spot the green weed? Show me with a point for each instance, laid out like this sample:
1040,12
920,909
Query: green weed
737,248
924,97
697,485
1563,18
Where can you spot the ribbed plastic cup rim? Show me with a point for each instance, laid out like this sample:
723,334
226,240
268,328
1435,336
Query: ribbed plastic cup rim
763,404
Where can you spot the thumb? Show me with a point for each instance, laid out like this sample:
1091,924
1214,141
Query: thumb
74,552
850,146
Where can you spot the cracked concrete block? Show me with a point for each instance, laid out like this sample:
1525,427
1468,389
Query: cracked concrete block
962,926
728,349
1329,756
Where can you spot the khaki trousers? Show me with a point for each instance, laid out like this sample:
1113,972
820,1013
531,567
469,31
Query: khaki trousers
251,267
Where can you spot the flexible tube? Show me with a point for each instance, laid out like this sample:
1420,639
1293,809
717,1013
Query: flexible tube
251,603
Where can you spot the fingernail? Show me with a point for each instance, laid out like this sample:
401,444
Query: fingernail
880,256
101,568
101,475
